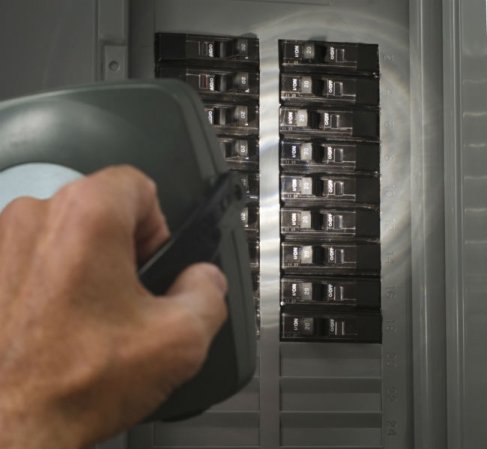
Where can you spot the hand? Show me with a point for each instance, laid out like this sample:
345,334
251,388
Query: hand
85,350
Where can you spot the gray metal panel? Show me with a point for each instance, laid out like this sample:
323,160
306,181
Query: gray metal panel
331,394
333,429
113,21
209,430
46,45
118,442
61,43
377,21
427,217
331,360
466,217
113,29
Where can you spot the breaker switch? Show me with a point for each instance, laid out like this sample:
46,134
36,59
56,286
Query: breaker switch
345,327
329,56
331,257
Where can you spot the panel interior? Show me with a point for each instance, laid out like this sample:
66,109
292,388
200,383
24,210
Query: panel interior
322,395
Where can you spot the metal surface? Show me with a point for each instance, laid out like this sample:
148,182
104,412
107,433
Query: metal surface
46,45
112,32
427,220
386,419
453,224
425,386
466,216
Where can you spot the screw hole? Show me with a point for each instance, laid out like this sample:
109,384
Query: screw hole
114,66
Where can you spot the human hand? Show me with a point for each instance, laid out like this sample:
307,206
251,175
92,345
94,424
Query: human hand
85,350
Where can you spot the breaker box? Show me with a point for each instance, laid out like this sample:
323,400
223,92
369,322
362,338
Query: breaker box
357,128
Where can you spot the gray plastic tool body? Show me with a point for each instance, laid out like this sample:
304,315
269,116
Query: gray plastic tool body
159,128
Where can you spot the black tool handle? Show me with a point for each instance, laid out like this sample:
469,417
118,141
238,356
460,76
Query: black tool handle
197,240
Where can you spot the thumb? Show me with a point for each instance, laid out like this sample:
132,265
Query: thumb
180,326
201,288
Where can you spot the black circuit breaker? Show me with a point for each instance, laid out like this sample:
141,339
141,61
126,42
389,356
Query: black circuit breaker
330,191
224,70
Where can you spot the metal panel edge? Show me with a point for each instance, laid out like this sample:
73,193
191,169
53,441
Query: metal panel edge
427,226
453,222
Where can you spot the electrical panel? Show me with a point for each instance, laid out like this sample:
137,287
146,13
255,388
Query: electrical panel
300,119
358,130
330,153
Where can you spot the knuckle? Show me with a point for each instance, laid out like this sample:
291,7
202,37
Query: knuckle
82,203
138,176
131,172
124,169
71,194
20,208
97,221
21,203
147,184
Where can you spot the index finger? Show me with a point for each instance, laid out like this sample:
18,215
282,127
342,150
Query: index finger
118,201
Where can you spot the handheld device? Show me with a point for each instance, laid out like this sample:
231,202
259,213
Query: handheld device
49,139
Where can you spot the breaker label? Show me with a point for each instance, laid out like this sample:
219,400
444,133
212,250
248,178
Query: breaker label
330,87
332,53
242,149
331,291
329,153
296,324
290,117
306,220
243,217
307,186
332,326
329,220
294,151
294,185
308,325
294,289
306,151
331,187
326,118
331,255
